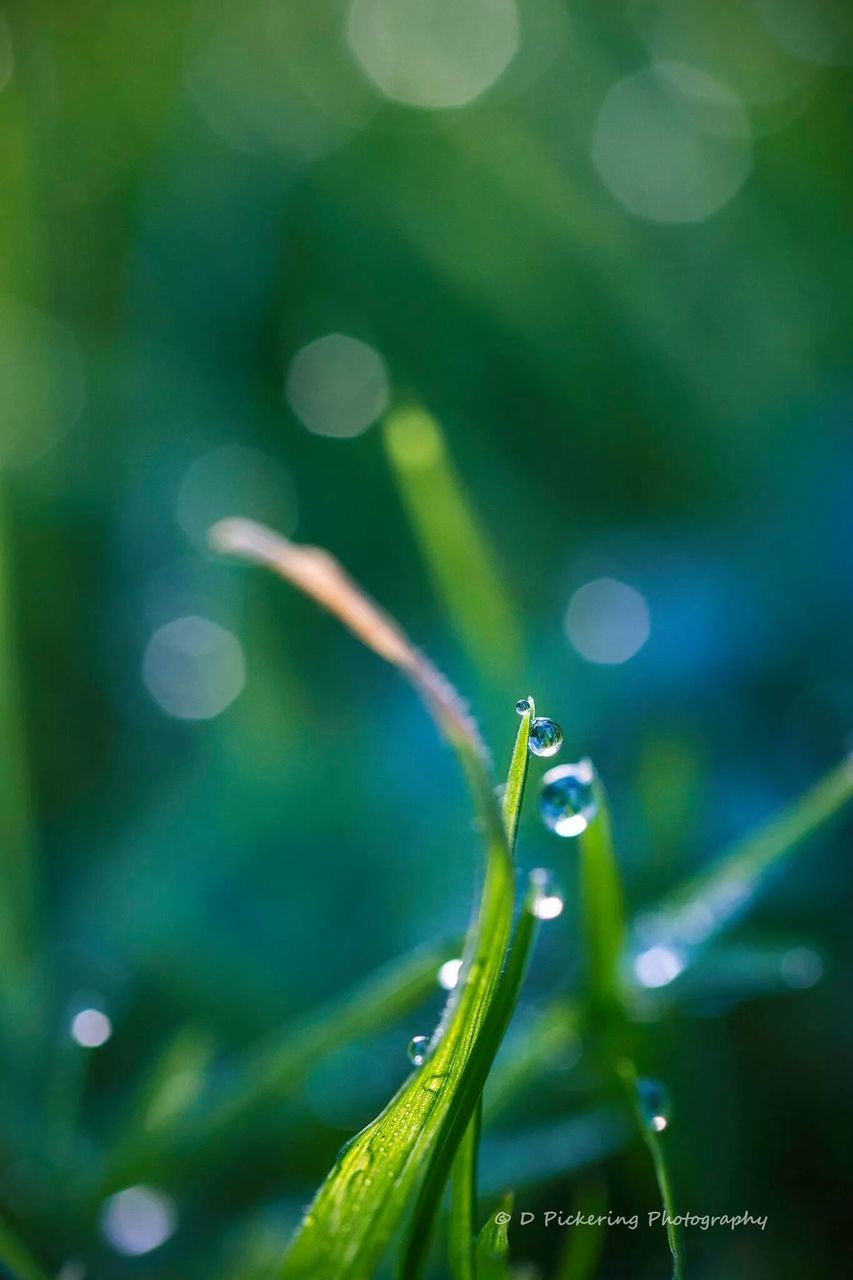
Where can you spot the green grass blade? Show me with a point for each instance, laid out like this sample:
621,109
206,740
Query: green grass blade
708,903
365,1197
601,896
357,1209
456,551
491,1254
463,1184
463,1202
656,1145
464,1196
585,1244
471,1086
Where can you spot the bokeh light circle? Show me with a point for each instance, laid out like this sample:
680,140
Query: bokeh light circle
672,143
337,385
193,668
137,1220
433,53
607,621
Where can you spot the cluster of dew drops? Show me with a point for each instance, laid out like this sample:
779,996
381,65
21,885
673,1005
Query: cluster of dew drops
567,804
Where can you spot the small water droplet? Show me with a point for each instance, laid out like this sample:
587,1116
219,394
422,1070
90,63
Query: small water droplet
548,901
435,1084
546,737
418,1049
654,1104
567,801
522,706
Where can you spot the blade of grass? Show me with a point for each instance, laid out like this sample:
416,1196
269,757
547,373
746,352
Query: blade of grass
491,1253
657,1149
601,896
471,1086
463,1182
712,900
454,547
357,1209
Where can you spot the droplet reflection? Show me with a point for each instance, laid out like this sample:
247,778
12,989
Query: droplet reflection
567,801
654,1104
418,1049
546,736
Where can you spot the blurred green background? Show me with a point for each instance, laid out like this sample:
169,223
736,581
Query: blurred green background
607,248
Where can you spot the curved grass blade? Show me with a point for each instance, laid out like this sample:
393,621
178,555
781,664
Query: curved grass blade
652,1137
471,1085
362,1201
491,1253
463,1183
711,901
601,895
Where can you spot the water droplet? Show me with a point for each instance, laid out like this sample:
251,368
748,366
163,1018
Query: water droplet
546,737
548,901
448,974
567,801
418,1049
435,1084
654,1104
522,706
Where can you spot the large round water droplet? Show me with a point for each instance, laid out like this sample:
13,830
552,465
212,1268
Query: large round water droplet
522,706
546,737
418,1049
654,1104
567,801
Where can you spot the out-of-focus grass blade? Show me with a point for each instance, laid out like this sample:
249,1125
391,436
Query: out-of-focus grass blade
601,895
652,1136
17,899
584,1245
727,975
550,1036
363,1200
17,1257
208,1118
532,1157
274,1069
463,1202
668,938
491,1254
454,547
